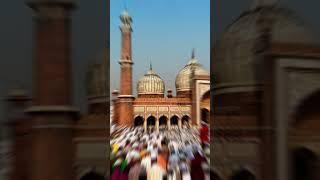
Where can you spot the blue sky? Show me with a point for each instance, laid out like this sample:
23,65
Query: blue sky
164,32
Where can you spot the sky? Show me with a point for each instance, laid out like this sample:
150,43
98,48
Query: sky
164,33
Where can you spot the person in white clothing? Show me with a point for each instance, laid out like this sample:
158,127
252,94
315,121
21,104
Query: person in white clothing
155,172
146,161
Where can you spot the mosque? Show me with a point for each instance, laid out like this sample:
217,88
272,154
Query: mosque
151,107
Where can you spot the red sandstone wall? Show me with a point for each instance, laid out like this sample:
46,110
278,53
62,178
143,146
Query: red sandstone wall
52,64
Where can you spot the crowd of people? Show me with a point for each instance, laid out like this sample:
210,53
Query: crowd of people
171,154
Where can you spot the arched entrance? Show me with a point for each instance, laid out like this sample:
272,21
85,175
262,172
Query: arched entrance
242,174
174,121
205,115
308,109
304,164
214,175
163,122
205,107
151,122
138,121
92,176
185,121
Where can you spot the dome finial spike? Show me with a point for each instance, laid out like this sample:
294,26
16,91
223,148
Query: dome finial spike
193,53
125,5
150,67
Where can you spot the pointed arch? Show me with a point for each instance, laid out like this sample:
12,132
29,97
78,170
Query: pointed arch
151,121
214,175
163,121
174,120
309,106
185,121
304,164
138,121
205,115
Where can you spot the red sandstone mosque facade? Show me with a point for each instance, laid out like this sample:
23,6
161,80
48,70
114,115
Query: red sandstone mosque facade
152,107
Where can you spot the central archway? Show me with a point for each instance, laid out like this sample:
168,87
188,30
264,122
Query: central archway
151,122
304,164
205,115
174,121
305,161
186,121
138,121
214,175
163,122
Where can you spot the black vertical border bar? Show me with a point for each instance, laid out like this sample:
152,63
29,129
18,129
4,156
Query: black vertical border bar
211,124
107,88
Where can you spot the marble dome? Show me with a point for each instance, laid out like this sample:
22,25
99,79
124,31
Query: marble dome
151,83
235,63
184,77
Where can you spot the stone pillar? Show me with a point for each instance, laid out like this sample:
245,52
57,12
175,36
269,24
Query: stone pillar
52,114
145,123
169,121
157,120
157,124
268,145
179,123
126,98
195,119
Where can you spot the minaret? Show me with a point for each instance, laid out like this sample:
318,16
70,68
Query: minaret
52,113
125,97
